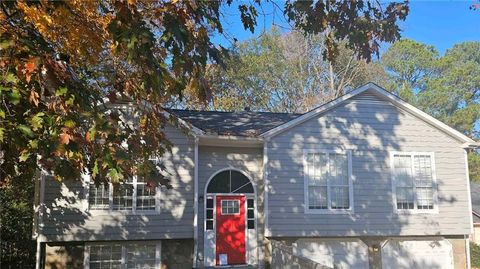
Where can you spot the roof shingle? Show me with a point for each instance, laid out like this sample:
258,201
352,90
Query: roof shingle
245,123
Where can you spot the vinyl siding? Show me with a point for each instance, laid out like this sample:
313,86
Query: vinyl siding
213,159
371,128
66,217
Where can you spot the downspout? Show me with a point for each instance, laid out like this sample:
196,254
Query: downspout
195,205
266,183
467,243
41,210
266,186
467,249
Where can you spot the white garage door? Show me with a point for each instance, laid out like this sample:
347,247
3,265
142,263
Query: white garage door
344,254
417,254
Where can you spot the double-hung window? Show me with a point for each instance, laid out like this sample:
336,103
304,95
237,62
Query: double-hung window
133,195
413,180
328,181
145,255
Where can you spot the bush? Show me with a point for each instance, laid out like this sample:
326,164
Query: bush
474,255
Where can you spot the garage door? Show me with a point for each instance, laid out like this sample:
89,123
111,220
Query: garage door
418,254
337,253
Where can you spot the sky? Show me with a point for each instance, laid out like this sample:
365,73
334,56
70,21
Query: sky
438,23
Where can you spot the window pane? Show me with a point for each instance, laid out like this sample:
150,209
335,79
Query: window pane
209,213
220,183
423,167
424,198
251,224
250,203
405,198
209,224
239,181
145,197
317,169
209,203
105,256
230,207
140,256
340,197
98,198
317,198
250,214
338,169
122,196
403,170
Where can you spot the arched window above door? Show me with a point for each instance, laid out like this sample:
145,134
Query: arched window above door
230,181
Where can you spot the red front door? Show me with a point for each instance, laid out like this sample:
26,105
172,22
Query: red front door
230,230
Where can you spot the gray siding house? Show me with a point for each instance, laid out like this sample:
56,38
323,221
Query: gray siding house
364,181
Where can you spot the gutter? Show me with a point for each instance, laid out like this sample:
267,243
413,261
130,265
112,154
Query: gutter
471,145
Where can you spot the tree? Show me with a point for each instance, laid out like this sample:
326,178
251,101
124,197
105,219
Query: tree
453,91
285,73
63,63
446,87
409,65
474,166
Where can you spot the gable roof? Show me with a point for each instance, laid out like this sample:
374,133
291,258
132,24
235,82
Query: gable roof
247,124
380,92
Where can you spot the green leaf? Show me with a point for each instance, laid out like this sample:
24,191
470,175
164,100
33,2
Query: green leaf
2,114
11,78
95,170
15,96
24,156
61,91
69,123
25,130
6,43
114,175
70,101
4,89
2,134
33,144
37,121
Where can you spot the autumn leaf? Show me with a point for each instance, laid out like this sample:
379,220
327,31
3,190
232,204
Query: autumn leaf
64,138
33,98
29,68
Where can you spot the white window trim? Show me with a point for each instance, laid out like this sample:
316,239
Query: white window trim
87,182
235,201
350,183
415,210
158,251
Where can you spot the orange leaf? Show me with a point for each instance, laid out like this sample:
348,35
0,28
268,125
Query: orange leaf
33,97
64,138
30,66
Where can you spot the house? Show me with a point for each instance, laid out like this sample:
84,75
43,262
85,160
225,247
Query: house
364,181
475,194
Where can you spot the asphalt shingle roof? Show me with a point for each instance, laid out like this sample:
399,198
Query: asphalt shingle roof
243,123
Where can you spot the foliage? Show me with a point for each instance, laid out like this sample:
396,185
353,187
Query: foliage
285,73
17,249
63,65
474,255
409,64
362,23
474,166
446,87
